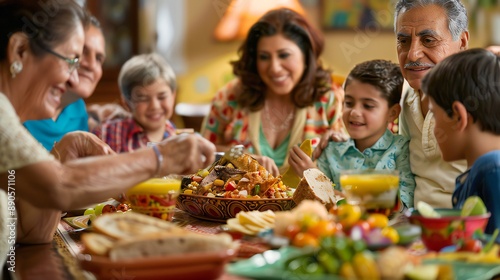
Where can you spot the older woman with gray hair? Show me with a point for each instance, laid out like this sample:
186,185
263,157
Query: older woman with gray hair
147,84
38,55
427,31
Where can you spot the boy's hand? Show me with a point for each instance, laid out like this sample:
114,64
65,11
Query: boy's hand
299,161
327,137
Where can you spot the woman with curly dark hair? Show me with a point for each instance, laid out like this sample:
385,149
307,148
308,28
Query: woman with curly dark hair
282,94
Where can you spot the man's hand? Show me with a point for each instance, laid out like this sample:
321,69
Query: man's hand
80,144
186,154
299,161
327,137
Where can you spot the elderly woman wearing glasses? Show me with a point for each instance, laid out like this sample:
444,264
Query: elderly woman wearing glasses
71,115
39,52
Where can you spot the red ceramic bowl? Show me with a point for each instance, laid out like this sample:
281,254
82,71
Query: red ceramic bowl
220,209
438,233
190,266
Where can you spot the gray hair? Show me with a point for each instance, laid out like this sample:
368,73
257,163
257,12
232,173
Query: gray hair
455,10
143,70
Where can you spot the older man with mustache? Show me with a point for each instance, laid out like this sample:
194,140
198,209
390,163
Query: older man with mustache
427,31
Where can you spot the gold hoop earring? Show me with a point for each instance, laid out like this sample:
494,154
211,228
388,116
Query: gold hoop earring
15,68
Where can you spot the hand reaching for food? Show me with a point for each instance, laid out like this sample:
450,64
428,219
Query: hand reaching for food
269,164
80,144
299,161
186,154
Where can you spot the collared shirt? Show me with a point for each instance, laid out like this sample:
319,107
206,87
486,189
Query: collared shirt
389,152
126,135
435,178
72,118
483,180
229,124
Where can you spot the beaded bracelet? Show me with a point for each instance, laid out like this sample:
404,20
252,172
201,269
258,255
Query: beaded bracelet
159,159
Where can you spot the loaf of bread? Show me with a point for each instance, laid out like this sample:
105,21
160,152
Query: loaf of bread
97,244
169,244
315,186
131,235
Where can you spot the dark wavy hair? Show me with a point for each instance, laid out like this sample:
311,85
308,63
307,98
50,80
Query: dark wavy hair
383,75
472,78
315,81
46,23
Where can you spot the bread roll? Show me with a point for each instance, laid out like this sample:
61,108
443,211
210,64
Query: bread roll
315,186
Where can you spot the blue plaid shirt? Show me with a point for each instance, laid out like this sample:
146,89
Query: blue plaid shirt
389,152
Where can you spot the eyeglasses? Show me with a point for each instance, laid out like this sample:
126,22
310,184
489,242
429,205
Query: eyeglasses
73,64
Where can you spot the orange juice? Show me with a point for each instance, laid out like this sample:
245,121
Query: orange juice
373,189
155,197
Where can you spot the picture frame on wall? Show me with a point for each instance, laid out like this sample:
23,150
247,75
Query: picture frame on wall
357,14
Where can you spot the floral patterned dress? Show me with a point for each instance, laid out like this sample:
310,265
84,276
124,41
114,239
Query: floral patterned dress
229,124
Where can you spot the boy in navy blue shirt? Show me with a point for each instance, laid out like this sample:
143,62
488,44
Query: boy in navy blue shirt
464,97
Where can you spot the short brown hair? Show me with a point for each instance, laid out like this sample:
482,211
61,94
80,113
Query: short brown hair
383,75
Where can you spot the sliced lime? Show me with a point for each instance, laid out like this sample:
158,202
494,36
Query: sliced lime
426,210
473,206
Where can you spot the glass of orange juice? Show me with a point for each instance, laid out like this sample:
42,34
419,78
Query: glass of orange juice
155,197
374,190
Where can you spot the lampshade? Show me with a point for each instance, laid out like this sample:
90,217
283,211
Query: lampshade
242,14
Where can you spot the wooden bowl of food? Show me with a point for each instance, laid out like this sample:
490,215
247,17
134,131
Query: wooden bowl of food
232,184
220,209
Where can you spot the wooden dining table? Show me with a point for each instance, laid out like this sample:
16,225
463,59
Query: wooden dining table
58,260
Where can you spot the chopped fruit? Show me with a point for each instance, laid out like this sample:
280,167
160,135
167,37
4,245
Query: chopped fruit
322,228
348,214
303,239
391,234
377,220
108,208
